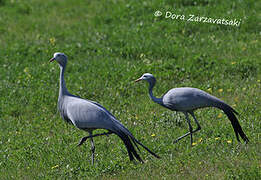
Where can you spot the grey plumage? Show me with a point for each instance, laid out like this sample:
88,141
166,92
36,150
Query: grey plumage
187,100
89,115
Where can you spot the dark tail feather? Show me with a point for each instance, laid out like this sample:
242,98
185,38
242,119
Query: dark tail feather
130,148
229,111
135,141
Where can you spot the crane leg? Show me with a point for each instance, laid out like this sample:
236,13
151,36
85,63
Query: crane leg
92,136
190,131
194,117
190,128
92,149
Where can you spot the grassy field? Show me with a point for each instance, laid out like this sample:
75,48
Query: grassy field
109,44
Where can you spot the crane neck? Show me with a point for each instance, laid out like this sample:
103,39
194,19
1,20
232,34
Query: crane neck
153,98
63,90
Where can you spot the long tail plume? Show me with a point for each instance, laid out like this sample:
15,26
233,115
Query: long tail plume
230,112
127,137
130,148
135,141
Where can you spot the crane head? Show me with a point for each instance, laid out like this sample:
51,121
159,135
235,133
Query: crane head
147,76
61,58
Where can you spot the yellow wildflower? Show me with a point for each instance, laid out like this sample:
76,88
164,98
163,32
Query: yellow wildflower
229,141
153,135
194,143
26,70
52,40
220,115
56,166
217,138
220,90
233,62
209,89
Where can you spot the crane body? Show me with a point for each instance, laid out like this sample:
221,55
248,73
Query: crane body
89,115
187,100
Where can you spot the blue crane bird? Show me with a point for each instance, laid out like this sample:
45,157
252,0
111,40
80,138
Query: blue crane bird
187,100
89,115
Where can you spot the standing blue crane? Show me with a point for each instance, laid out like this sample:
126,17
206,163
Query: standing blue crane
89,115
187,100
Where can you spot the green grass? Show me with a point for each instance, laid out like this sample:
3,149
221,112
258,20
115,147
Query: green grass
109,45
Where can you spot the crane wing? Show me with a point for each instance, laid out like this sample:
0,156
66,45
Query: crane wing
184,99
85,114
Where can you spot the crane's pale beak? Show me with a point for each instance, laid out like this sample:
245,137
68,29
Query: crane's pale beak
51,60
137,80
